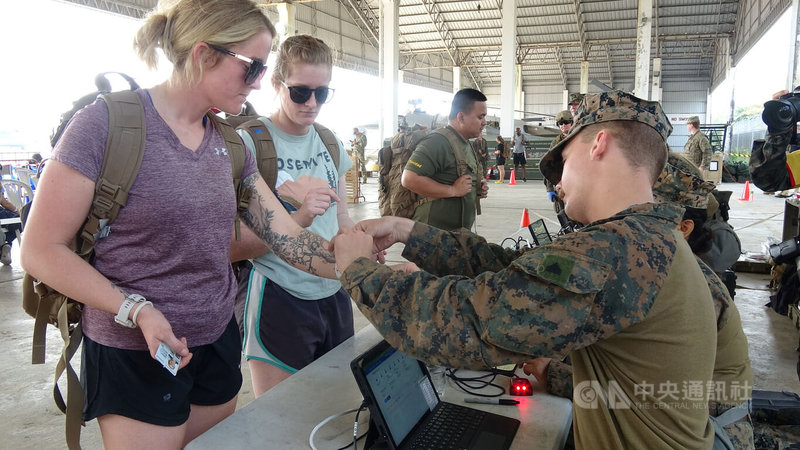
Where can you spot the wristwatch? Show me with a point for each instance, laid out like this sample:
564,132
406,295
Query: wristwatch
124,310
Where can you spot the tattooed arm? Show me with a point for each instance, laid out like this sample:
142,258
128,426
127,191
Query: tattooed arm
269,221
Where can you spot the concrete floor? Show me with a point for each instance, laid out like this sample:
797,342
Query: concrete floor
32,421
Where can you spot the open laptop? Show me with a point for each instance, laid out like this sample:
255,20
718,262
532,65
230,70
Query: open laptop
408,414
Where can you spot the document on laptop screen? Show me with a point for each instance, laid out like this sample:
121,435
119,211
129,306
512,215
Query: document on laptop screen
403,392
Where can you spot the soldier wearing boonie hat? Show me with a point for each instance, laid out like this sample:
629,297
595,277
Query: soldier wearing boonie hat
682,183
623,296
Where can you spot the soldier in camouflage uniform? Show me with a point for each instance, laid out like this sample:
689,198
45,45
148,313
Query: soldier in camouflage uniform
574,101
681,183
564,123
359,143
697,148
623,297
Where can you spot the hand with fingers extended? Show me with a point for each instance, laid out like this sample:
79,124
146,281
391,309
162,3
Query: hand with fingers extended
387,230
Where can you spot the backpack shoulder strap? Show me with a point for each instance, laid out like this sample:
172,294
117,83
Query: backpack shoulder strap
123,157
330,141
236,154
265,153
458,145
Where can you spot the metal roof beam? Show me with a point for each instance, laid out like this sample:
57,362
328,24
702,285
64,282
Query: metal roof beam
437,18
579,22
116,7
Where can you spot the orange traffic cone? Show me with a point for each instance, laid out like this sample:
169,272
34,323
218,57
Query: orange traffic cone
746,197
526,220
513,180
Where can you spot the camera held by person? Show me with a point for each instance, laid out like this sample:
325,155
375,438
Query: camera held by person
775,161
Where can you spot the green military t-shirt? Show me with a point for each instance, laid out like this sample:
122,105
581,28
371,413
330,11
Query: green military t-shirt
433,158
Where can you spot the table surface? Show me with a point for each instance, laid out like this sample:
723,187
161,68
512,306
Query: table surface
285,415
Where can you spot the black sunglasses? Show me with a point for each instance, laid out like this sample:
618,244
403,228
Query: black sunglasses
301,94
254,71
563,122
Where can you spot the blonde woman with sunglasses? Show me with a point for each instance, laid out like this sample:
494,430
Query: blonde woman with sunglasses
292,317
162,275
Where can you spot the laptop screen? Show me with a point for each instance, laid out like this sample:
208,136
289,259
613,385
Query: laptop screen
401,389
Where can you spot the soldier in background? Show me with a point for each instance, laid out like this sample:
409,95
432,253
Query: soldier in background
623,297
564,123
574,100
359,143
482,152
697,148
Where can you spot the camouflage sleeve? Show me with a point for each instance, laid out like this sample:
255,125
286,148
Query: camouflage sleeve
549,301
559,379
458,252
705,150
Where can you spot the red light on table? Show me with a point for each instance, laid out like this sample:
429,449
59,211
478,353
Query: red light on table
520,386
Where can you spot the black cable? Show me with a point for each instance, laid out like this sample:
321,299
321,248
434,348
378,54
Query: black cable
470,385
356,437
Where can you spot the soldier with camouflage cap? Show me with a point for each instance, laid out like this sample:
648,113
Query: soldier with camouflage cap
622,296
564,123
697,148
574,100
682,184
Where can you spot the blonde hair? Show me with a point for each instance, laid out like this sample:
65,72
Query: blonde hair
301,48
176,26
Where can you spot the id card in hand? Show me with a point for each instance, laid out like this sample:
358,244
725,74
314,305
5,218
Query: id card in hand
168,358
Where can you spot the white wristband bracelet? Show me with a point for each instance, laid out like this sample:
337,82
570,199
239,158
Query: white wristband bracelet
136,313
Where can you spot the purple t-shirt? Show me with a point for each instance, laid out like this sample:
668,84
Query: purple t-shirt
171,242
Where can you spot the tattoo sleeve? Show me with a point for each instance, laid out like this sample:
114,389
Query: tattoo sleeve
305,250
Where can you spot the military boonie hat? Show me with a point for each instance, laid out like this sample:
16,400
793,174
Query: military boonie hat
682,183
606,107
575,98
694,120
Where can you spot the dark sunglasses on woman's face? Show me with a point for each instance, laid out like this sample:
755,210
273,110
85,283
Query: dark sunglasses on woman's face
563,122
301,94
255,70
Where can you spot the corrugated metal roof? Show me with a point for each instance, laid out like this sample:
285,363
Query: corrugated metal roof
553,36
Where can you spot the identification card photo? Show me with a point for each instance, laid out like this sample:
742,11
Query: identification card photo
168,358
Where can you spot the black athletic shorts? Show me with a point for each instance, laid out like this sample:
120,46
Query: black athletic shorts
132,384
519,159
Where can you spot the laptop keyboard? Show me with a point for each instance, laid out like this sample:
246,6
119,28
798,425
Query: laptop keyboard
450,427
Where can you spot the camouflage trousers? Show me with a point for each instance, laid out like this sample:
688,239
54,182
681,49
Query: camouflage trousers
740,432
770,432
362,162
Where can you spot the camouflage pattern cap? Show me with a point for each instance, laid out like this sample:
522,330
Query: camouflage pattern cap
606,107
564,116
575,97
682,183
694,120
